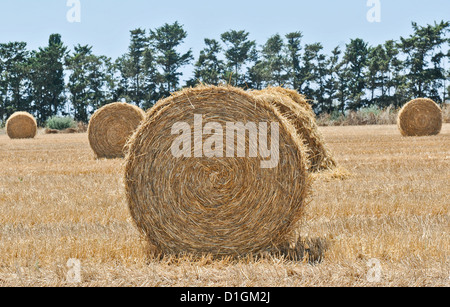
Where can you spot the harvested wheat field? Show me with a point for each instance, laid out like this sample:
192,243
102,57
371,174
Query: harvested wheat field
57,202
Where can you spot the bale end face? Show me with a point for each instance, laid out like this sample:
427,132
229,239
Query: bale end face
420,117
21,125
188,194
111,126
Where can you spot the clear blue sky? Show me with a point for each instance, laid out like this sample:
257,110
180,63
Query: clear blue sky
105,24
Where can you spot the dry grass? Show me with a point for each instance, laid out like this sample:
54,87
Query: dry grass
57,202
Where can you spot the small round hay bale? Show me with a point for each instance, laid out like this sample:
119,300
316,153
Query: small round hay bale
296,109
21,125
111,126
221,204
420,117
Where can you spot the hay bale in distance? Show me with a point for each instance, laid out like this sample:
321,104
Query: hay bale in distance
420,117
298,111
220,205
21,125
111,126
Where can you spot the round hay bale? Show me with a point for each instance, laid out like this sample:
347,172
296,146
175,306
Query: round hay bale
420,117
296,109
21,125
294,96
211,199
111,126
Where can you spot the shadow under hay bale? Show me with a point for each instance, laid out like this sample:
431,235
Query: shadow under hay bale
21,125
111,126
218,205
420,117
310,250
305,250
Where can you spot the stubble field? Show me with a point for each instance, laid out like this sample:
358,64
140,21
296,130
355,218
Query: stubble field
392,211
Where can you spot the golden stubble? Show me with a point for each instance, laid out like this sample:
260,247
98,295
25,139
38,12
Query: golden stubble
389,201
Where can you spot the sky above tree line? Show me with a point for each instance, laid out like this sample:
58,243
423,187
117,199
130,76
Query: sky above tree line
106,24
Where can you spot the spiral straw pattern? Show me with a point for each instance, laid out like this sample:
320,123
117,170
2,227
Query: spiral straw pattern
420,117
111,126
21,125
214,204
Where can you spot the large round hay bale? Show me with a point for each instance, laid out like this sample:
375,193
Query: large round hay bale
194,187
21,125
298,111
420,117
111,126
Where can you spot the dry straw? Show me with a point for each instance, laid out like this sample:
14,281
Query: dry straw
420,117
298,111
111,126
295,96
21,125
221,206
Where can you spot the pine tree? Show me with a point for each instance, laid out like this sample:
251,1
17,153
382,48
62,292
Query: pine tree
240,51
47,76
424,59
293,58
89,81
331,84
274,61
14,79
209,69
355,58
308,71
165,40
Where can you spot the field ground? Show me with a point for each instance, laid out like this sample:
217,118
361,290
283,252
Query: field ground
57,202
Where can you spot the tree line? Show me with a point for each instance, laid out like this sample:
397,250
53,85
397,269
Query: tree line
55,80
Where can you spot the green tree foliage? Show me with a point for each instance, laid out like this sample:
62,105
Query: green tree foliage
331,82
275,61
357,76
165,41
240,50
424,57
209,69
293,58
137,71
47,77
308,71
355,59
89,81
14,79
